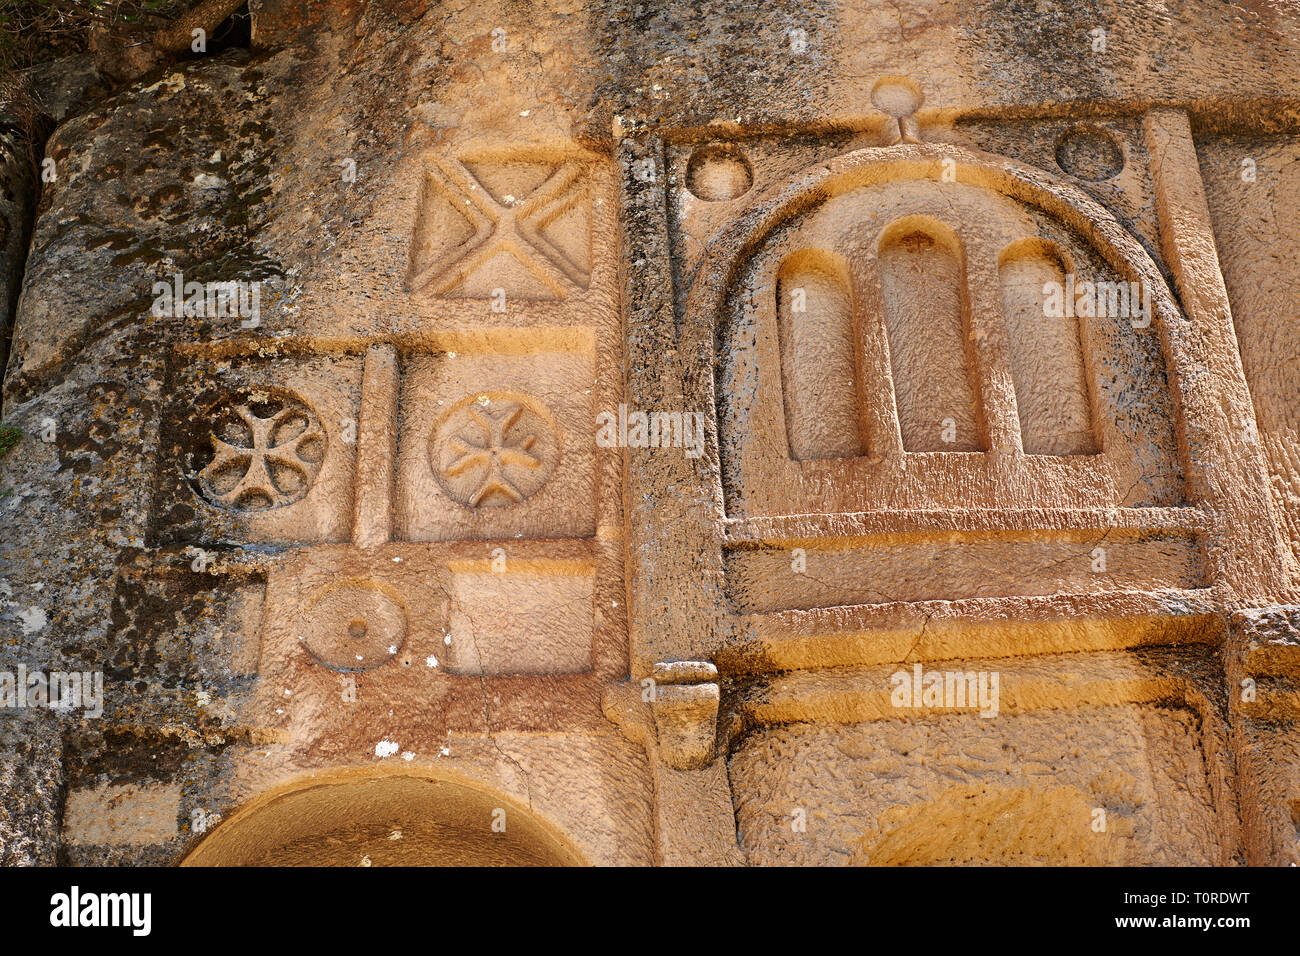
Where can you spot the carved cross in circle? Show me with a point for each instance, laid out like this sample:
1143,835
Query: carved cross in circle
265,455
496,453
494,450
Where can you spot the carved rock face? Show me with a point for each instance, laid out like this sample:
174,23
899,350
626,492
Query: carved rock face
989,370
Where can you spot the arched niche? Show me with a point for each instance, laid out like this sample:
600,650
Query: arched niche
386,819
922,269
1048,362
935,237
820,379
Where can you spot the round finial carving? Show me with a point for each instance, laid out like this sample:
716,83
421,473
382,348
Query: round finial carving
355,626
1089,152
896,95
493,449
718,173
266,453
899,98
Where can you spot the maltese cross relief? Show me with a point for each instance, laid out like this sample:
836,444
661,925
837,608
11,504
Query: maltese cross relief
494,449
265,454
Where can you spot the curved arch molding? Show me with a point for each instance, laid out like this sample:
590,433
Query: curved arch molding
409,817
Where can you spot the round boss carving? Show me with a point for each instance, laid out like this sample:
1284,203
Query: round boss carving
1089,152
896,95
354,627
493,449
265,454
718,173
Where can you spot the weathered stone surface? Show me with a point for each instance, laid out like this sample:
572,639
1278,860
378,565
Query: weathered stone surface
31,771
641,434
66,86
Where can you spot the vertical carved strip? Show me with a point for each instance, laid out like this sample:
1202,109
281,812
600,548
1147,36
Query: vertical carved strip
879,408
990,350
676,589
1225,464
376,449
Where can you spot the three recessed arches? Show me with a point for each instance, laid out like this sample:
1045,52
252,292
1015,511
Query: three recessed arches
915,288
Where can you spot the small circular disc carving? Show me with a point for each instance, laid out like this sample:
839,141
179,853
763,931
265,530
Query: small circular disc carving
896,95
494,449
266,453
1089,152
356,626
718,173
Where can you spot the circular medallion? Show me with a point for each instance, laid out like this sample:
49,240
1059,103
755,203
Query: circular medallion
265,454
718,173
354,627
494,449
1089,152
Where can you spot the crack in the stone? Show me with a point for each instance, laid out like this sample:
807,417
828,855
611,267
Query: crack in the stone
487,718
919,636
